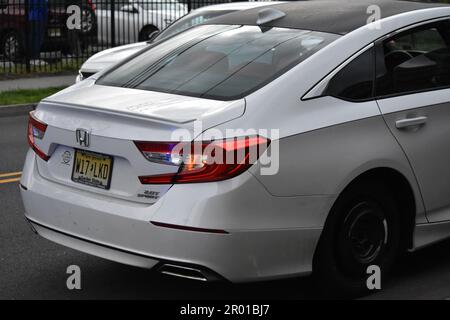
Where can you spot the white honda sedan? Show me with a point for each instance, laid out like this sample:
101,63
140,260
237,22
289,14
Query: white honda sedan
269,143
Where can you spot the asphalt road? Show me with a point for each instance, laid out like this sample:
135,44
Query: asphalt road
34,268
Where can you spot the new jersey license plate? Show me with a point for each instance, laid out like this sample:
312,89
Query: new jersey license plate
92,169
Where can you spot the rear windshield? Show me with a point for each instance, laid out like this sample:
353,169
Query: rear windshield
223,62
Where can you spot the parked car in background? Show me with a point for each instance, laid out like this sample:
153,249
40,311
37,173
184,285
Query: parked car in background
14,24
135,21
203,14
196,4
106,58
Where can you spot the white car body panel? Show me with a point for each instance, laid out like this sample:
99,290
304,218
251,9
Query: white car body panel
114,123
159,106
422,146
112,224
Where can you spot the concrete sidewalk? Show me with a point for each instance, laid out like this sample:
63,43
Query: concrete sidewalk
37,83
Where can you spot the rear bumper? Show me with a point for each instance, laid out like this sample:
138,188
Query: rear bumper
123,256
96,249
121,231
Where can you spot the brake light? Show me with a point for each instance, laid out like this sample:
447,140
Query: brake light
204,161
36,131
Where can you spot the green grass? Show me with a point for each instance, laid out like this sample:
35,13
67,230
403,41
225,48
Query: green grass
26,96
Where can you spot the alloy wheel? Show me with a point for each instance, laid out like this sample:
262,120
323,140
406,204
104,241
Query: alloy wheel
362,239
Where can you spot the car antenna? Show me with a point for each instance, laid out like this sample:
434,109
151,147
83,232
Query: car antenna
268,15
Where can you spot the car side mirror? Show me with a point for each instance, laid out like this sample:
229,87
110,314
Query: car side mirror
153,36
421,68
128,8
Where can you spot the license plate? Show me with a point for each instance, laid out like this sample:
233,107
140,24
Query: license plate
54,33
92,169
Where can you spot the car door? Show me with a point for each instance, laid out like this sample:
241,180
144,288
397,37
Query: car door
413,93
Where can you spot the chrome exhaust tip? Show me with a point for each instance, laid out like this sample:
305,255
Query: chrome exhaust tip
182,272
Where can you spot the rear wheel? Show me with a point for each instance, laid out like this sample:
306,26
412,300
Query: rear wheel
363,229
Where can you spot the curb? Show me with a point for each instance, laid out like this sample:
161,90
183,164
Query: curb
16,109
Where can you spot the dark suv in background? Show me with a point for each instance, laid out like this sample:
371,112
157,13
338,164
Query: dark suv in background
14,27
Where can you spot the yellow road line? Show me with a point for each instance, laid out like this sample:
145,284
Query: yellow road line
10,174
9,180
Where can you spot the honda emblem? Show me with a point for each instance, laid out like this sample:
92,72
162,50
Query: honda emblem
83,137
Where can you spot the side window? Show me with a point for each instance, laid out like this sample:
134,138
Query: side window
415,60
355,81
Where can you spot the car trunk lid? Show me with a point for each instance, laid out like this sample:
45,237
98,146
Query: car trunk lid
114,118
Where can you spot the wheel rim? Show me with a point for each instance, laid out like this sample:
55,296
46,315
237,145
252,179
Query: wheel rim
362,239
11,47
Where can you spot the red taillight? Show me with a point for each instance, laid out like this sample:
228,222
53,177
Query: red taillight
203,161
36,130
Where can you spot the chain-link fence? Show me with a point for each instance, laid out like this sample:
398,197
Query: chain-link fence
58,35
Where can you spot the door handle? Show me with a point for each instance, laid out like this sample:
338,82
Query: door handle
409,122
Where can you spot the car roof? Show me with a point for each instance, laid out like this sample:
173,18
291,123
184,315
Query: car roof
331,16
237,6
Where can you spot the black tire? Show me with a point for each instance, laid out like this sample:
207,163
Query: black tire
363,229
12,46
147,32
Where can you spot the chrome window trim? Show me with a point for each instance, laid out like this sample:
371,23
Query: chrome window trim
412,26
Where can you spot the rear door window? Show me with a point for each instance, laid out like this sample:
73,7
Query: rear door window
415,60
